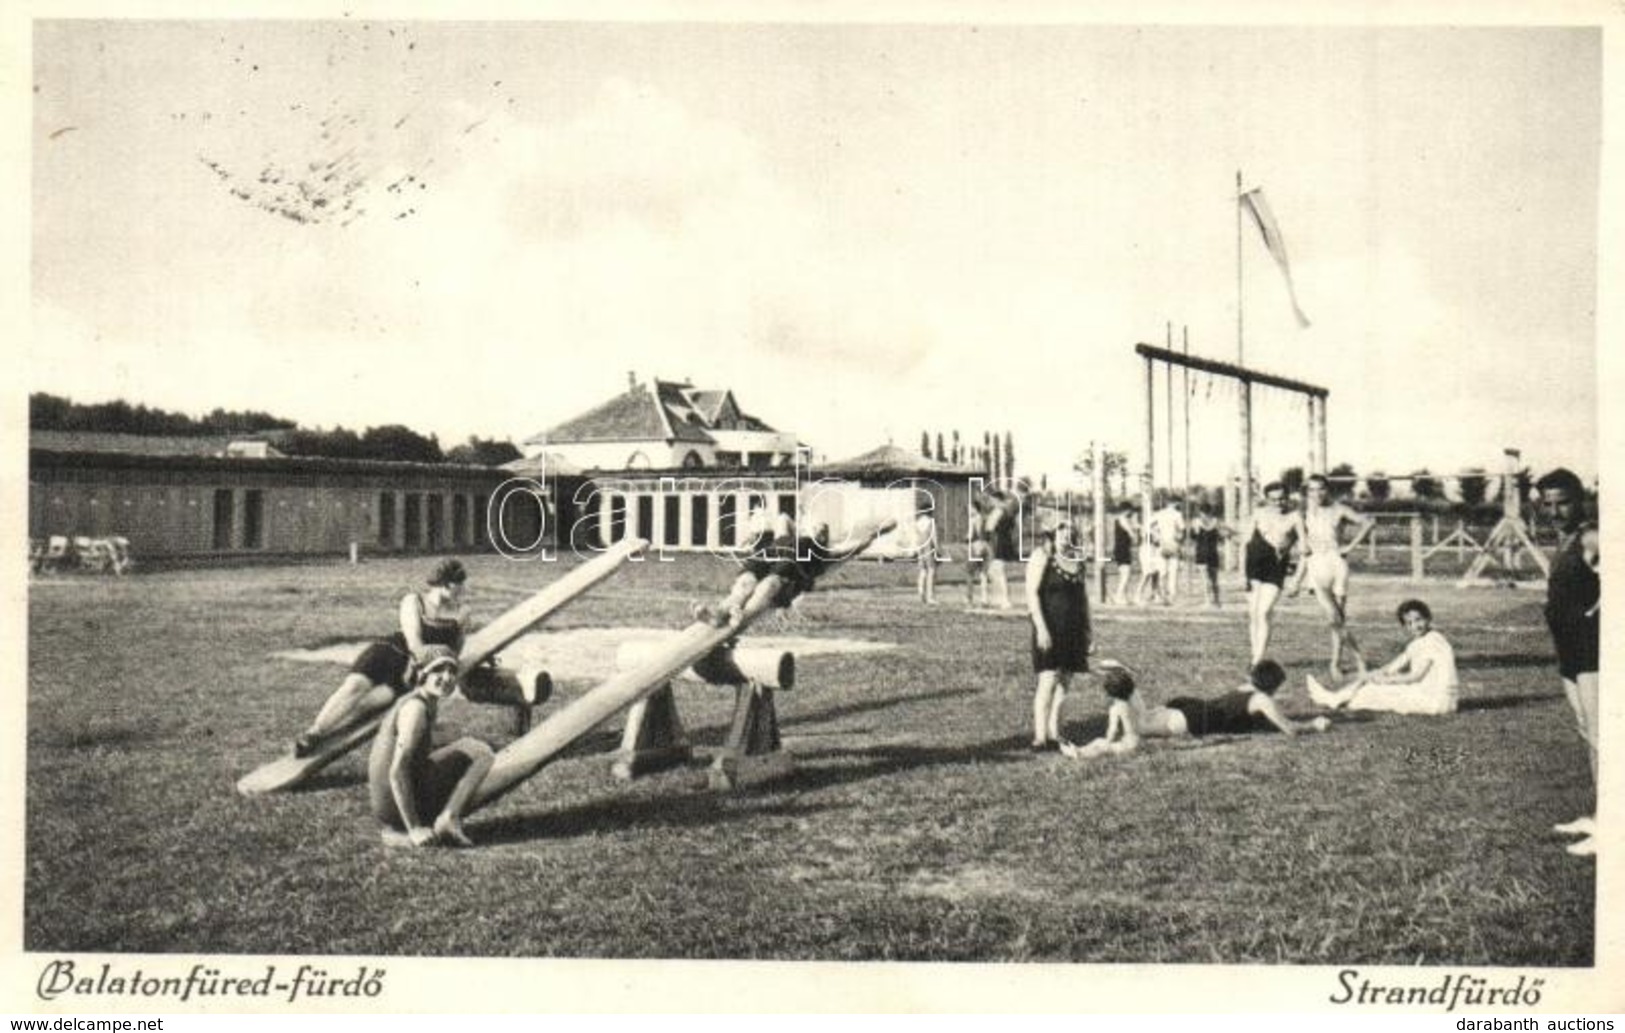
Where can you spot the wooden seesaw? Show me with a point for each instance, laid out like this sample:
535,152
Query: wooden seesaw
478,683
700,647
654,739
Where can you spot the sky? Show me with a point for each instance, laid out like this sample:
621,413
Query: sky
865,230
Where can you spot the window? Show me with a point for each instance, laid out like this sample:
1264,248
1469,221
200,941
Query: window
386,518
254,519
646,516
437,521
459,520
481,503
787,506
414,520
672,533
691,459
223,518
617,519
727,520
702,521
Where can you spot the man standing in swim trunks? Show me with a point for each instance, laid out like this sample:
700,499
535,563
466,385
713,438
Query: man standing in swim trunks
1276,526
1573,592
1325,566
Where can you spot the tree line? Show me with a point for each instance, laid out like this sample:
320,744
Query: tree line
995,457
389,442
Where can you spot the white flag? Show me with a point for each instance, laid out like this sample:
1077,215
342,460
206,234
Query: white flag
1253,202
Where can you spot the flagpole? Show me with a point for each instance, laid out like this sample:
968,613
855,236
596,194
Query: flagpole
1241,355
1170,396
1244,494
1185,388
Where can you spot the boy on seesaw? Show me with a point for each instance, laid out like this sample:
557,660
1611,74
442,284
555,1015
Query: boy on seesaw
777,573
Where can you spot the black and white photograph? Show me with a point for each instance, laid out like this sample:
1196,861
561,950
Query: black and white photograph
1002,486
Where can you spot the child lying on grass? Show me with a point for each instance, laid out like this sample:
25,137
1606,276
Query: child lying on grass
1248,709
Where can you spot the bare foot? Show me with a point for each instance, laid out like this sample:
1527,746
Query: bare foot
450,831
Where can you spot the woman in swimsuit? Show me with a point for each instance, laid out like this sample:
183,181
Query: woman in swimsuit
1058,602
433,617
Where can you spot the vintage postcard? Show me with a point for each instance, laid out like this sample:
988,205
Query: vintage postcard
798,507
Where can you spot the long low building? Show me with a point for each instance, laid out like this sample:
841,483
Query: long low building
223,505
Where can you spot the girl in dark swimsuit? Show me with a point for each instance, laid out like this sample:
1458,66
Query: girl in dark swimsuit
432,617
1058,602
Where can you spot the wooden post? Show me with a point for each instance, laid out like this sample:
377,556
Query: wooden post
1234,545
1098,454
754,753
1185,337
1245,394
653,739
1310,466
1168,370
1150,440
1416,546
1320,435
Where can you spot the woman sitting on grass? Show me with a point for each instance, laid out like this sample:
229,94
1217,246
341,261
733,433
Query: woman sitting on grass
1420,680
1248,709
417,793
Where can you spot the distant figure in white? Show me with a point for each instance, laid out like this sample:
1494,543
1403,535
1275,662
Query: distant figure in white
1326,568
1170,537
927,556
1420,680
1150,585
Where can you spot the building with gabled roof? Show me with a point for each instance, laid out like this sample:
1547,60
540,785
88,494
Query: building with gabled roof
661,425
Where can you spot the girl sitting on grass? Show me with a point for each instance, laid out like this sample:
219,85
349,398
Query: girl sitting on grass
419,793
1420,680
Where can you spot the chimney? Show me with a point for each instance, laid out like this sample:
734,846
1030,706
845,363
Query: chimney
631,381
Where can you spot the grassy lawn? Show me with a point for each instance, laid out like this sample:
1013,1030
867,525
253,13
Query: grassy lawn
916,825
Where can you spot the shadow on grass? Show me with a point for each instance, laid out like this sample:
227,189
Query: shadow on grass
616,813
883,760
867,707
353,638
1507,702
333,778
595,744
1503,661
703,809
91,736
